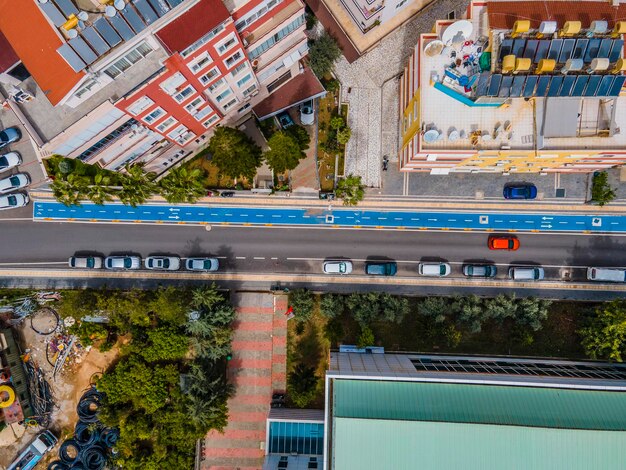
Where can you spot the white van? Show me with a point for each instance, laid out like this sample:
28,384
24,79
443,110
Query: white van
434,269
526,273
606,274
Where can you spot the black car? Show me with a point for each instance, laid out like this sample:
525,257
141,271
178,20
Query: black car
227,193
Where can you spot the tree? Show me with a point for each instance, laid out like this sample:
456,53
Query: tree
301,135
601,192
366,338
501,307
170,305
234,153
137,185
69,192
302,383
393,308
332,305
436,307
471,312
99,194
164,343
605,337
343,135
364,307
302,302
337,122
351,190
322,55
66,166
206,297
182,185
532,312
284,153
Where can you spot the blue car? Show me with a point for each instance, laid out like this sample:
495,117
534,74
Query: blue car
285,120
520,191
10,135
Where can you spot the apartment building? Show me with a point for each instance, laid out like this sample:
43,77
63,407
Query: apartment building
517,87
119,81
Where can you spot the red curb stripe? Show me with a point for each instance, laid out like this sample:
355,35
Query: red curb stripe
251,363
240,453
256,381
253,326
245,310
252,345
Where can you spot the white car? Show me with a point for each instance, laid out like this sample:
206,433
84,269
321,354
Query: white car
202,264
13,200
14,182
434,269
307,113
122,262
9,160
162,263
337,267
85,262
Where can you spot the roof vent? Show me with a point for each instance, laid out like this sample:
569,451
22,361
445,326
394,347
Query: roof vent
546,28
545,66
598,27
508,63
522,65
619,29
520,27
598,65
572,65
620,66
570,28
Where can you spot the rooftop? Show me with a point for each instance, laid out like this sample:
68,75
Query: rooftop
8,57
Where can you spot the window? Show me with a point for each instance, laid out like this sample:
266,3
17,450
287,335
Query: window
279,81
219,98
169,122
244,107
202,41
239,68
180,134
200,115
230,104
210,121
245,79
210,75
125,62
86,88
265,45
233,59
154,115
269,71
451,15
140,105
171,85
183,94
249,90
217,84
106,141
401,4
194,105
255,14
200,62
226,44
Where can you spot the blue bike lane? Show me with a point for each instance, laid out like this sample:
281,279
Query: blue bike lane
337,217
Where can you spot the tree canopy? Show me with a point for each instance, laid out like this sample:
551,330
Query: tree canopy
323,53
605,337
234,153
351,190
284,153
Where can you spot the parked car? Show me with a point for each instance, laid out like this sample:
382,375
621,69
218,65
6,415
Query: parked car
227,193
337,267
122,262
13,200
307,113
381,268
480,270
35,452
503,242
284,119
526,273
86,262
162,263
14,182
606,274
10,135
202,264
9,160
520,191
434,269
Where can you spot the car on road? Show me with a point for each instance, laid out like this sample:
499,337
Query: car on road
503,242
86,262
122,262
526,273
162,263
434,269
13,201
10,135
18,181
337,267
480,270
227,193
520,191
606,274
285,120
381,268
202,264
307,113
9,160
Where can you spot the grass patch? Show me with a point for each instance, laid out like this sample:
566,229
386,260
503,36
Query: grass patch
213,178
326,161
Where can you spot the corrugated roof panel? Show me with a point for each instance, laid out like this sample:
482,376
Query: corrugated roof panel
53,13
122,27
83,50
107,32
95,41
148,14
71,57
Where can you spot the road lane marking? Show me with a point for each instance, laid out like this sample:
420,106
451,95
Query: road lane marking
33,263
259,257
240,257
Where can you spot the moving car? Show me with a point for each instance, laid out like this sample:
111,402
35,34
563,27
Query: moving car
14,182
86,262
503,242
10,135
9,160
381,268
13,200
285,120
122,262
307,113
434,269
337,267
526,273
606,274
520,191
202,264
162,263
480,270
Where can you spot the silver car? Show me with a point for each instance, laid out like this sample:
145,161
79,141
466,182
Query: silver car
337,267
18,181
9,160
202,264
162,263
86,262
122,262
434,269
13,200
10,135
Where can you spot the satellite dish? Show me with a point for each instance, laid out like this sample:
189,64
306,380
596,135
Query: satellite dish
43,1
110,11
72,33
119,4
83,15
457,32
434,48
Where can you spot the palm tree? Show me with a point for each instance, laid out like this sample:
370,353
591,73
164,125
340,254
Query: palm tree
137,185
99,194
69,192
182,185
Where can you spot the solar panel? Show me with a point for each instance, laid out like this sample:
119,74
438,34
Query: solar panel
542,85
83,50
579,86
529,87
53,13
95,41
542,50
107,32
71,58
555,85
483,83
160,7
518,47
122,27
518,86
146,11
580,48
616,50
67,7
505,48
133,19
555,49
505,87
592,50
567,49
605,48
174,3
531,49
568,84
605,85
592,86
494,85
617,85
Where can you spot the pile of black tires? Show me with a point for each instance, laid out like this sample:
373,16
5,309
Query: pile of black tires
91,446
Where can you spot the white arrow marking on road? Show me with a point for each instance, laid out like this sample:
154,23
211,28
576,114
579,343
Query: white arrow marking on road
432,220
547,218
172,209
546,226
173,217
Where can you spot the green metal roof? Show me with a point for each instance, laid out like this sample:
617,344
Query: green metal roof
480,404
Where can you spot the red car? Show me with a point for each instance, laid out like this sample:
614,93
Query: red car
503,242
